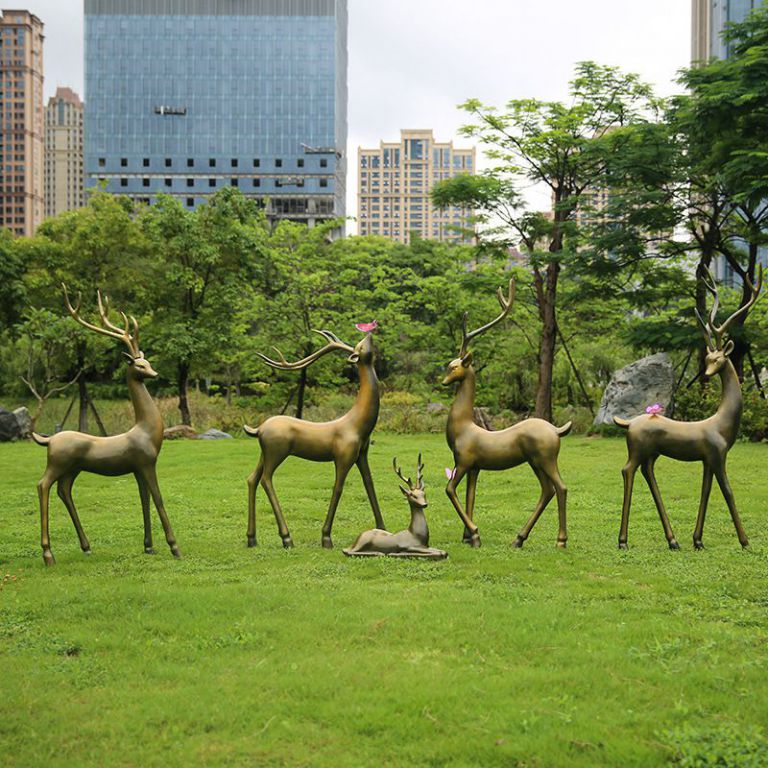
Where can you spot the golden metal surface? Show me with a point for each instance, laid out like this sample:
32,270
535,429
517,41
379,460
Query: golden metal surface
134,452
344,441
412,542
534,441
707,441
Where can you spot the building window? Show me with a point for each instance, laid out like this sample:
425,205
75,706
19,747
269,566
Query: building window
256,163
145,182
278,163
168,162
323,182
123,182
278,183
300,162
168,182
234,162
102,162
211,182
190,162
323,162
190,182
190,202
235,183
257,182
212,163
146,162
123,162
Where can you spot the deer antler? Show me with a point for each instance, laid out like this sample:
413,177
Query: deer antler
714,334
399,473
334,343
506,306
420,474
107,328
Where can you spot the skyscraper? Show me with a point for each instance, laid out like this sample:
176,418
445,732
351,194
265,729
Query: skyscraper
185,97
64,153
394,183
21,122
709,20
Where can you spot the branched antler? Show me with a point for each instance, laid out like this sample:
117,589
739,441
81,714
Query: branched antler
506,306
107,328
334,343
407,480
399,473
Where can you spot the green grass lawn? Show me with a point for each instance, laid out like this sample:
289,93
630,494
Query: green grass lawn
495,657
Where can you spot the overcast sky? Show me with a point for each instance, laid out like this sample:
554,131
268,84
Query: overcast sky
412,61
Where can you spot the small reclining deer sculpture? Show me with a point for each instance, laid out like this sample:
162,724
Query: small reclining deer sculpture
412,542
534,441
135,451
707,441
344,441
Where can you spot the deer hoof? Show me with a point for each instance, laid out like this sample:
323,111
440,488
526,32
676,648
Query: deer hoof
251,542
475,541
673,545
48,557
287,542
149,550
175,551
698,545
623,545
86,550
561,544
745,544
519,541
327,543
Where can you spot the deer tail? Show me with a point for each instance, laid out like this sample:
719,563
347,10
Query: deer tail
565,429
623,423
250,431
41,439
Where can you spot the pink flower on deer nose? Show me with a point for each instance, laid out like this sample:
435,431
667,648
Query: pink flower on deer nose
654,409
367,327
450,473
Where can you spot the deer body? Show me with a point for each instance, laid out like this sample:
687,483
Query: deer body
344,441
707,441
133,452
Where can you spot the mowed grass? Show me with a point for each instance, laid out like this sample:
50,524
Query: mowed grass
495,657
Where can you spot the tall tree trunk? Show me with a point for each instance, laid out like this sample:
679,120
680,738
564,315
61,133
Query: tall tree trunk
82,420
546,291
300,393
702,295
183,384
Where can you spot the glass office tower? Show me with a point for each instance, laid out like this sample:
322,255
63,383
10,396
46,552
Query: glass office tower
709,20
185,97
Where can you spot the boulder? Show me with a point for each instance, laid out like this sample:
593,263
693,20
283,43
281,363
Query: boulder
436,408
633,388
180,431
214,434
24,420
14,425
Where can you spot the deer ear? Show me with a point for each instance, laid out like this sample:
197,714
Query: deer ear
405,492
466,361
728,347
129,357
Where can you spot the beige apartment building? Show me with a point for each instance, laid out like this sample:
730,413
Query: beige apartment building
64,175
394,183
22,201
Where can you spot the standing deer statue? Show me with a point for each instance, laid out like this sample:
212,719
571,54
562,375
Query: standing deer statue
707,441
412,542
534,441
344,441
135,451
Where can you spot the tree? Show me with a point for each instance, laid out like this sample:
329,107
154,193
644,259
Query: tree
565,148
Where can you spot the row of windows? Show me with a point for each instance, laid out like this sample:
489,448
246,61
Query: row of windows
233,182
234,162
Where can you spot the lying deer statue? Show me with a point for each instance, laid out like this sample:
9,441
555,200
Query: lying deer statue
708,441
344,441
134,452
534,441
412,542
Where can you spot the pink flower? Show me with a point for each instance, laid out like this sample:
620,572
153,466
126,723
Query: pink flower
450,473
367,327
654,409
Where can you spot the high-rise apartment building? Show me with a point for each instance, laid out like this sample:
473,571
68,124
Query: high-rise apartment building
709,20
394,183
64,172
21,122
185,97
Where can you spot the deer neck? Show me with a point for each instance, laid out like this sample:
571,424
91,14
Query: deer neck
146,414
729,411
366,407
418,526
462,410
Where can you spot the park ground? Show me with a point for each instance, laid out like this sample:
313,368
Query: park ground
495,657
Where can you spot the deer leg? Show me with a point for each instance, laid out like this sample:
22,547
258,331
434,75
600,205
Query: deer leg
450,491
365,473
282,527
706,487
650,478
64,489
341,475
253,482
547,492
146,513
628,473
470,502
725,487
149,475
43,493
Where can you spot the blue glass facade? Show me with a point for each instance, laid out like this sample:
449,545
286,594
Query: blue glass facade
188,96
724,12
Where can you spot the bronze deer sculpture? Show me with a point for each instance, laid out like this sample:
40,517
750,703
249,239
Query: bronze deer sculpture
412,542
707,441
133,452
344,441
474,448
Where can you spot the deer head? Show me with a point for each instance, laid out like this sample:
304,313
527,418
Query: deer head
718,349
415,493
138,365
458,368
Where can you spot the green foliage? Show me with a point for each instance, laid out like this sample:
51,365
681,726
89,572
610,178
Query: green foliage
694,404
727,745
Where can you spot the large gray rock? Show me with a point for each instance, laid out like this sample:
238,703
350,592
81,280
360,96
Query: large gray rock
16,425
633,388
24,420
214,434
